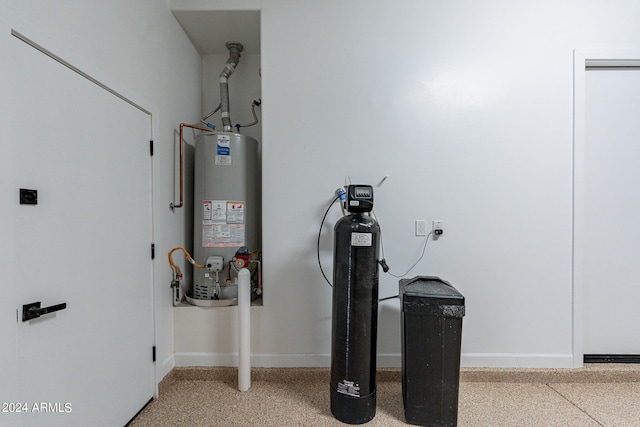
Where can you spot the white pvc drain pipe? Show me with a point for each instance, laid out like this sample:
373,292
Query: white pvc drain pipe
244,330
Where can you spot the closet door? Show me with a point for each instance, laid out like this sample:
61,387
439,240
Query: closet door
612,212
82,247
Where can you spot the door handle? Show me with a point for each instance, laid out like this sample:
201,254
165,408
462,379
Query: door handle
33,310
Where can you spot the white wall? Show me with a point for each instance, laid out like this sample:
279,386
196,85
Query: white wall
8,194
138,49
467,106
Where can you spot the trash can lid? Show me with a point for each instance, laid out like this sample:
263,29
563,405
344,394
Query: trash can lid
422,293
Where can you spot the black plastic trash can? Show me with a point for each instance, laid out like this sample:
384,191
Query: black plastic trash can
432,312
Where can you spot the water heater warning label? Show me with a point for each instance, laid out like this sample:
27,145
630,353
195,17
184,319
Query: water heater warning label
235,212
223,224
214,211
223,151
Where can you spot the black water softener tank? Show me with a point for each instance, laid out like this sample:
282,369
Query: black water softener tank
355,310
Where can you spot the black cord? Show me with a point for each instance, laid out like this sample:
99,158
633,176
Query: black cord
319,233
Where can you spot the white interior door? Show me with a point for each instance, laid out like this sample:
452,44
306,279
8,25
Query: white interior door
612,212
85,243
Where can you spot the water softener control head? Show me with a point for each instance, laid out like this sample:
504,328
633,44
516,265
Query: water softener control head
359,198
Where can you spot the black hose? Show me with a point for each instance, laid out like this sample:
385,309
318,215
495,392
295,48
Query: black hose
319,233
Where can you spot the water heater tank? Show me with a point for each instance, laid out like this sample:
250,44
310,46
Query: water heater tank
226,206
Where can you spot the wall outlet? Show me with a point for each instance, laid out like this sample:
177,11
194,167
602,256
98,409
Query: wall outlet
421,227
438,227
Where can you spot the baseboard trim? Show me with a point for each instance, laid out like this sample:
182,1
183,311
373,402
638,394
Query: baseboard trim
517,360
468,360
165,367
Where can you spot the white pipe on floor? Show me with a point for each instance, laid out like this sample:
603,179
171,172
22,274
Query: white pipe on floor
244,331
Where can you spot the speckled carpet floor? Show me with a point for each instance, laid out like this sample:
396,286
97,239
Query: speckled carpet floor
597,395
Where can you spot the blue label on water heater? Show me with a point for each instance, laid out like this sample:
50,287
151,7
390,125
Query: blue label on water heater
223,150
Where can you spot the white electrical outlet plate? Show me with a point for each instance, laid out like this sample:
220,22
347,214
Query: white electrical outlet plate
438,227
421,227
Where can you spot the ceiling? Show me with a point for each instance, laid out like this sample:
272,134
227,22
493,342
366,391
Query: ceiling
210,30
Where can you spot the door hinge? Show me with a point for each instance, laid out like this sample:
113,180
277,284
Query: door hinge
153,251
151,147
153,353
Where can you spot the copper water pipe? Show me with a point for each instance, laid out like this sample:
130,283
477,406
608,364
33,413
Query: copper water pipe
183,125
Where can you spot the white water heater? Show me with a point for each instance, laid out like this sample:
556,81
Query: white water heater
227,206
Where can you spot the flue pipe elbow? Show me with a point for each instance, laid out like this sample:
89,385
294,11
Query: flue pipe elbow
234,57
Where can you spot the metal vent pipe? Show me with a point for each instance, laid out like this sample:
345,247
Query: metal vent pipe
234,56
